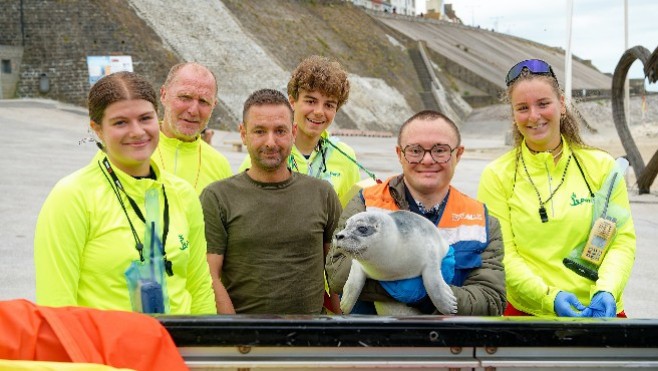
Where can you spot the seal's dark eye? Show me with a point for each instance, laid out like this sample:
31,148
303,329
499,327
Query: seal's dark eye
364,230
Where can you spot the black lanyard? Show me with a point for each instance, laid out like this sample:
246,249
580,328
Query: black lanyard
139,246
580,168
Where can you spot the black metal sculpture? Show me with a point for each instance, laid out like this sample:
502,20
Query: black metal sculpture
645,174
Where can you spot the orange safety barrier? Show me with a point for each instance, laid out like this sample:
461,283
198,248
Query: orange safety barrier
84,335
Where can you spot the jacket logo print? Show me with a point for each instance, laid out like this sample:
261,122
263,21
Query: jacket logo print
575,200
466,216
184,244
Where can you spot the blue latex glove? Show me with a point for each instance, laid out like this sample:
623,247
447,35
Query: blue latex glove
603,304
564,305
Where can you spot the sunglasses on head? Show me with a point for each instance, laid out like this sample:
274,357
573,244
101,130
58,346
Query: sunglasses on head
534,66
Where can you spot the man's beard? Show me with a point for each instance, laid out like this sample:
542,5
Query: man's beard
270,164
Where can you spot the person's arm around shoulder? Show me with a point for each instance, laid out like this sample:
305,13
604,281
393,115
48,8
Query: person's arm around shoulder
483,291
215,232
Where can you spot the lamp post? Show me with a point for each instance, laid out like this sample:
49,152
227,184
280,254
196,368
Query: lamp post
567,54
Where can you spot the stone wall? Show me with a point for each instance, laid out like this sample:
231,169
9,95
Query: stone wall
58,35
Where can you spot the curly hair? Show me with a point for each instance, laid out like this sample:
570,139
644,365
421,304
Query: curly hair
117,87
322,74
569,121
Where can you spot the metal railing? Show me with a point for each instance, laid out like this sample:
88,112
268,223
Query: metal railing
437,342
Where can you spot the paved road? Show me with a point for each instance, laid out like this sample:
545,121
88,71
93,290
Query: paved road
44,141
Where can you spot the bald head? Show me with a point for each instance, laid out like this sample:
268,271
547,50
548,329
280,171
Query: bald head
194,67
188,98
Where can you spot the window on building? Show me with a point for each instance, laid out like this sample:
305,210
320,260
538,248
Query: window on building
6,66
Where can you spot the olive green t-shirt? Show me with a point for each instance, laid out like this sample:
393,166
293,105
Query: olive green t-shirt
271,236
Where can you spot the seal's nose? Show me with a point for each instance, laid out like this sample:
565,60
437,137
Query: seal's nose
339,236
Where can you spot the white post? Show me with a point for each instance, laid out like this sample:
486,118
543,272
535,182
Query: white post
567,54
627,94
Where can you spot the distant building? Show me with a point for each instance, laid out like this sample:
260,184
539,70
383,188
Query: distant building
434,9
437,9
450,14
405,7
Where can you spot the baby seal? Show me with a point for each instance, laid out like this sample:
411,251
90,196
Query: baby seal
392,246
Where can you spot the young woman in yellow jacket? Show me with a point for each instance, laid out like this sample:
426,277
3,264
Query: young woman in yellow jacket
91,228
543,194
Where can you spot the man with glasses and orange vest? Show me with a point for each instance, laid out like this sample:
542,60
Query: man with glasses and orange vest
429,148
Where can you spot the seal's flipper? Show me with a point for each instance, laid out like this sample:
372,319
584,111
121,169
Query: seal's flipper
438,290
353,286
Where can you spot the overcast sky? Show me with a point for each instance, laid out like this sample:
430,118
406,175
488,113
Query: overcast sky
598,25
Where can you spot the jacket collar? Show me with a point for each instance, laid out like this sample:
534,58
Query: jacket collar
545,159
132,186
178,144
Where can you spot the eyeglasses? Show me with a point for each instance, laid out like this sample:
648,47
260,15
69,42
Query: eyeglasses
535,66
440,153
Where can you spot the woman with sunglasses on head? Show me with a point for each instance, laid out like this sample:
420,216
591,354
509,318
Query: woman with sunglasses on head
543,193
91,228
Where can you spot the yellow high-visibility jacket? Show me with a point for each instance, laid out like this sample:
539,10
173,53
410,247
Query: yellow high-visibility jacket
534,250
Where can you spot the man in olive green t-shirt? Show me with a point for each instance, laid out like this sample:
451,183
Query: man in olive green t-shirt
268,228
